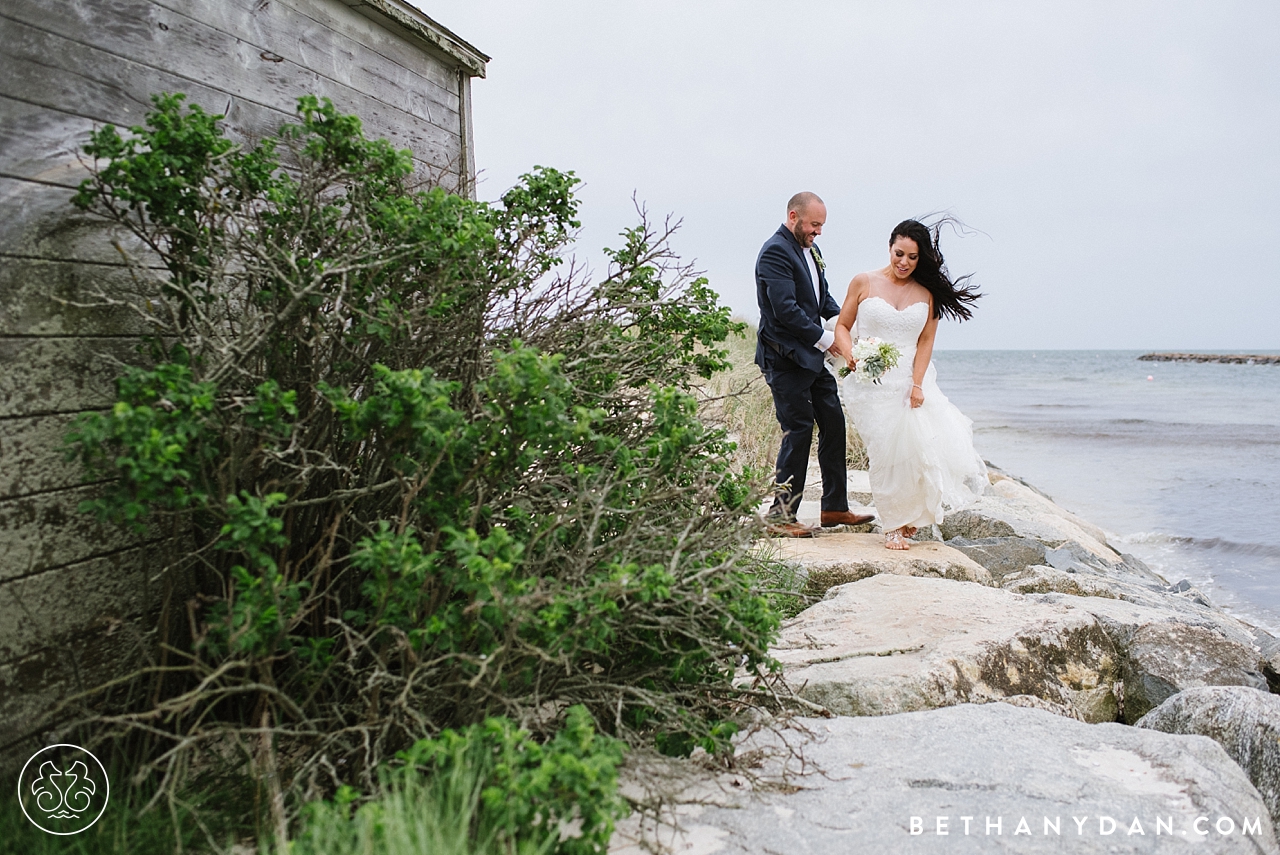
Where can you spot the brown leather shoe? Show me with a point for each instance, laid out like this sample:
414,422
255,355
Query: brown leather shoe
830,518
788,529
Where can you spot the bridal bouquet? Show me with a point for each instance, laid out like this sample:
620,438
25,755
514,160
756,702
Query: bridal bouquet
873,357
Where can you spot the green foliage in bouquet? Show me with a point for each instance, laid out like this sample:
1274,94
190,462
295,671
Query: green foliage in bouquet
872,361
885,357
422,473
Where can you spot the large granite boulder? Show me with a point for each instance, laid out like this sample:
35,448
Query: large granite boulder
964,779
834,558
1005,556
1001,556
1043,579
890,644
1244,721
1117,584
1269,647
1031,546
1010,509
1163,649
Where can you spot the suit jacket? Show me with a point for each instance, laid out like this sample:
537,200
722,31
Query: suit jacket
790,314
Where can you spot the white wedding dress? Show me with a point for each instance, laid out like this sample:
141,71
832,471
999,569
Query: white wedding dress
922,461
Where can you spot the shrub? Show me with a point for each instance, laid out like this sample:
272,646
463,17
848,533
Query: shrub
489,787
430,474
568,786
410,816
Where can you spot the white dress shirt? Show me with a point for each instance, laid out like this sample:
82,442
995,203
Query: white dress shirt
828,337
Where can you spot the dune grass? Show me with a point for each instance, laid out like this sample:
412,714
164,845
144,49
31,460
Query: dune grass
739,400
439,815
415,814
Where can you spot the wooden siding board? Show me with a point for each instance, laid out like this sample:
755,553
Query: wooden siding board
217,29
40,222
101,80
32,687
53,71
41,297
348,24
33,455
46,375
42,144
333,42
47,70
45,609
399,16
208,32
47,530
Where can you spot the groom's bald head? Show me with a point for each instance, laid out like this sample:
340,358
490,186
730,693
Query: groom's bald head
801,201
806,215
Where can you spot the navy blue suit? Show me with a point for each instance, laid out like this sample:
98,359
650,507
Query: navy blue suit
804,392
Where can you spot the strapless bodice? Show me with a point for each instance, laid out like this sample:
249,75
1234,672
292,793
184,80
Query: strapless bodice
878,319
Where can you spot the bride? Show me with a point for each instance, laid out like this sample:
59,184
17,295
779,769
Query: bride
920,447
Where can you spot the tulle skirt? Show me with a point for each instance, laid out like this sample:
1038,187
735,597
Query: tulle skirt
922,461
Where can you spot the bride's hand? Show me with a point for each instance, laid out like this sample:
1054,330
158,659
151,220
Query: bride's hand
917,396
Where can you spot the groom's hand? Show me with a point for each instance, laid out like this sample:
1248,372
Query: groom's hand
839,350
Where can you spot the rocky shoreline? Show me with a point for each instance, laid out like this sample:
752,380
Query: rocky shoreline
1232,358
1013,683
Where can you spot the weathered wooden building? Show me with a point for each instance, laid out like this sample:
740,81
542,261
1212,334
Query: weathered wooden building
72,592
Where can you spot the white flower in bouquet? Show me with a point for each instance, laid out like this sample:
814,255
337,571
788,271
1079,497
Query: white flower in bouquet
873,358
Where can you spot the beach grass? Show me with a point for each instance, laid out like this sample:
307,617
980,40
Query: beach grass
739,400
440,815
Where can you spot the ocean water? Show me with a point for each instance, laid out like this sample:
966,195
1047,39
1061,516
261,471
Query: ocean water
1178,462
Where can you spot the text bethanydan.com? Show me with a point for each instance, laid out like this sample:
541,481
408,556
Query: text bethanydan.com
1187,827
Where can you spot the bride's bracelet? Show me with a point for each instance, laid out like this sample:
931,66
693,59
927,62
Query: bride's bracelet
917,386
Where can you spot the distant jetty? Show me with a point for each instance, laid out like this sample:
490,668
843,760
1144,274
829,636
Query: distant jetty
1234,358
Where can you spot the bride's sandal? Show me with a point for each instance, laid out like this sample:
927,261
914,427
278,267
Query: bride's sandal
895,540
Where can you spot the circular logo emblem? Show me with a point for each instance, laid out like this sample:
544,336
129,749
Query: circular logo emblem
63,789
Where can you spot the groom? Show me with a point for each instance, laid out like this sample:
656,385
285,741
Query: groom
791,288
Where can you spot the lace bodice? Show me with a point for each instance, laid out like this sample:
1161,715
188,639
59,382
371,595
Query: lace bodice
877,318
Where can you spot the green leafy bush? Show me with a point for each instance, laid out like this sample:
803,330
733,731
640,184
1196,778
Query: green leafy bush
487,788
410,816
428,474
568,786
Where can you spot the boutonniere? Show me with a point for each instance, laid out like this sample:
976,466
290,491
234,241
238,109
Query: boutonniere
817,259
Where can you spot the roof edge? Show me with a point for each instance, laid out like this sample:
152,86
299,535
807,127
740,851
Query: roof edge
419,25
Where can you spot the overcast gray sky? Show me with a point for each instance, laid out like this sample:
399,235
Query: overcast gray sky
1121,159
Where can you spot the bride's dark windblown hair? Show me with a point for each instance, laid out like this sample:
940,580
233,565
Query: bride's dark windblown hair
950,296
